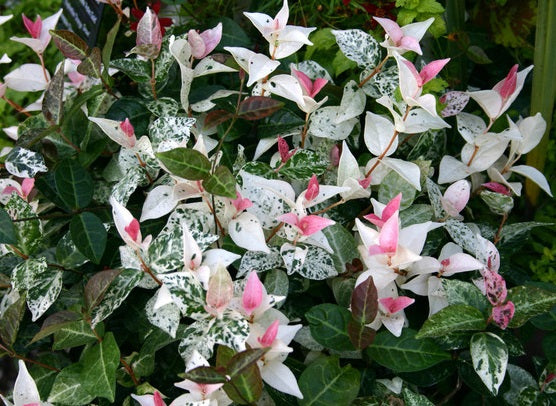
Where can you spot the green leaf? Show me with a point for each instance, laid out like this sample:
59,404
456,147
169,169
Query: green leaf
67,253
529,301
108,46
247,387
465,293
258,107
303,164
53,104
243,360
12,315
54,323
452,318
490,359
498,203
221,183
97,286
136,69
342,288
343,245
364,302
406,353
392,185
68,388
360,335
415,399
75,334
206,375
99,368
28,232
89,235
70,44
91,65
7,230
74,184
186,163
328,323
325,383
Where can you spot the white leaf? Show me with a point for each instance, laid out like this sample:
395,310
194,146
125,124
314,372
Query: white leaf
484,152
352,104
207,104
535,175
452,170
378,134
348,166
359,47
29,77
324,124
407,170
489,354
159,202
24,163
166,317
420,120
246,232
532,128
181,51
470,126
209,66
113,130
25,389
280,377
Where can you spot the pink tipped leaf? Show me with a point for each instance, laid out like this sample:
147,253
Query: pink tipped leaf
133,230
503,314
392,29
34,28
431,70
241,203
253,293
312,189
394,305
312,224
497,187
411,44
157,399
211,38
507,86
269,336
388,237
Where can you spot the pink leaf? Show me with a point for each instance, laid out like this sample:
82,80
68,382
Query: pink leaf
27,186
411,44
507,86
389,234
270,334
220,291
394,305
289,218
497,187
253,293
495,287
34,28
456,197
211,37
284,150
503,314
196,43
335,155
392,207
431,70
241,203
392,29
414,72
157,398
304,81
312,224
312,189
133,230
148,30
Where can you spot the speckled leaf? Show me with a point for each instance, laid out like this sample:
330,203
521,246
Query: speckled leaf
415,399
384,83
359,47
166,318
304,164
406,353
26,274
75,334
164,107
24,163
231,330
343,245
325,383
136,69
318,265
460,292
47,287
497,203
293,257
54,323
259,261
392,185
529,301
115,294
197,338
452,318
326,123
99,368
489,354
67,253
435,196
462,235
68,387
169,132
186,291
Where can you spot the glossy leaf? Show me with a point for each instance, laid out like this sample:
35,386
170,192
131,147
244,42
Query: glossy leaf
11,319
452,318
246,387
74,184
7,230
186,163
68,388
360,335
89,235
53,103
328,323
406,353
489,354
54,323
99,368
216,117
221,183
529,301
242,360
91,64
70,44
75,334
364,302
258,107
206,375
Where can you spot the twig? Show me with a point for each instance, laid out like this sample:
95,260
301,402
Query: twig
146,268
274,231
32,361
16,106
450,395
499,232
374,72
130,372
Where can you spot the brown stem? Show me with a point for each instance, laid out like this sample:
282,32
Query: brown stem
67,140
43,67
144,166
19,253
450,395
304,131
153,80
16,106
374,72
339,202
473,155
499,232
218,224
130,372
32,361
274,231
146,268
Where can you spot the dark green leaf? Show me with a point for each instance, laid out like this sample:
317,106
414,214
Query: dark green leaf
405,353
328,323
452,318
364,302
465,293
360,335
88,235
258,107
7,230
529,301
247,387
54,323
70,44
325,383
206,375
90,66
186,163
53,103
68,388
10,320
221,183
243,360
108,46
99,368
74,184
343,246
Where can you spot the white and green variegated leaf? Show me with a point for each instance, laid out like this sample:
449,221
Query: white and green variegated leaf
231,330
462,235
199,223
489,354
343,245
26,273
164,62
259,261
99,368
129,258
313,70
197,337
127,185
208,65
67,253
170,132
116,293
186,292
163,106
24,163
352,104
137,70
166,318
47,287
435,196
359,47
28,232
392,185
75,334
327,122
304,164
384,83
277,283
68,387
520,379
293,257
318,265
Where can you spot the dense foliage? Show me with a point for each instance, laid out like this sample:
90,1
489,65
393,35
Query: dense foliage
309,216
